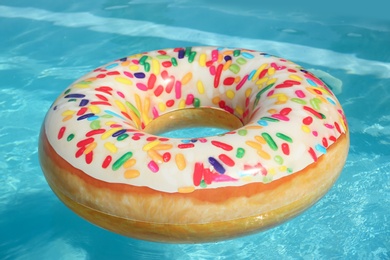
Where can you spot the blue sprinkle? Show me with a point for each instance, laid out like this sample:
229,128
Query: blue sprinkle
114,114
84,102
320,148
92,118
75,95
186,141
139,75
331,100
311,82
85,116
217,166
117,133
247,55
181,54
253,72
123,59
262,122
110,66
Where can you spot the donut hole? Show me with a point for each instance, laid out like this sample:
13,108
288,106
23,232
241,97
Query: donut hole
206,117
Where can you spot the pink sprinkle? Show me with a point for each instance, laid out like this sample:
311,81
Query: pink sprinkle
214,55
120,94
178,89
315,133
128,74
270,93
329,126
212,70
153,166
281,117
189,99
300,93
244,79
142,86
155,112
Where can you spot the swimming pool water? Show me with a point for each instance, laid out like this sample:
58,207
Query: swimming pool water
45,46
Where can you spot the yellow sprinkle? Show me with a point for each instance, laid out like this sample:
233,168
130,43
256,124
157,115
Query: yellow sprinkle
239,110
258,71
162,107
163,147
145,116
130,174
109,133
135,118
247,178
271,81
220,57
155,156
271,171
187,189
237,79
68,113
156,67
129,163
216,100
227,65
230,94
200,87
202,60
111,147
90,147
133,67
67,118
295,77
150,145
94,109
180,161
109,123
186,78
120,105
182,104
261,81
283,168
260,139
253,127
124,80
255,145
272,111
305,129
264,154
343,124
138,102
80,85
271,71
248,92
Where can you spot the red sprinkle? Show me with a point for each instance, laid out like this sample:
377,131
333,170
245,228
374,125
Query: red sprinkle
170,103
218,75
313,154
285,148
221,145
185,146
198,173
228,81
285,111
170,84
226,160
106,161
307,120
309,109
61,132
262,73
95,132
82,111
85,142
244,79
158,90
80,152
207,176
166,157
337,127
89,157
324,142
151,81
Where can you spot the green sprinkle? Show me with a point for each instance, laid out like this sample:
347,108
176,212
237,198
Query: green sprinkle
187,51
264,90
72,100
242,132
241,61
196,102
95,124
299,101
133,108
107,116
270,141
236,53
240,152
314,102
70,137
143,60
267,179
67,91
118,163
191,57
174,61
284,137
289,170
147,66
278,159
122,137
234,68
269,119
203,184
163,57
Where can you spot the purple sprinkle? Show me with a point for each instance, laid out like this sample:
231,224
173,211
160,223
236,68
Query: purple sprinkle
84,102
85,116
181,54
227,57
75,95
117,133
217,166
123,59
139,75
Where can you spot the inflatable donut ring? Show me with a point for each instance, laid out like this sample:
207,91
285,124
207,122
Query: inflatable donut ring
103,155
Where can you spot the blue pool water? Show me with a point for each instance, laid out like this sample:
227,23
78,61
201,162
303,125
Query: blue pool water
45,45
